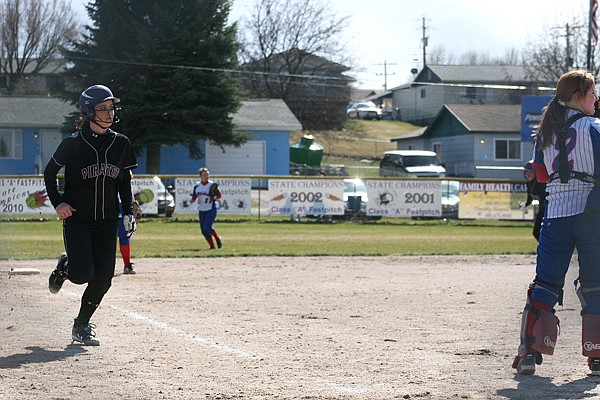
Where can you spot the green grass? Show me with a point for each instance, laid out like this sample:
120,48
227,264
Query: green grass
157,237
359,145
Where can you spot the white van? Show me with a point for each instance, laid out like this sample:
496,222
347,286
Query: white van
411,163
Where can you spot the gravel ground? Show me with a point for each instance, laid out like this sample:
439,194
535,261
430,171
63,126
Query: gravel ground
440,327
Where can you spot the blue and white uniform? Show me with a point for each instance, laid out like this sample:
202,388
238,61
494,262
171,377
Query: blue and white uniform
207,211
572,215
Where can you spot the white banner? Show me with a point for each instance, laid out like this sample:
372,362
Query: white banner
404,199
306,197
236,195
24,196
481,200
145,191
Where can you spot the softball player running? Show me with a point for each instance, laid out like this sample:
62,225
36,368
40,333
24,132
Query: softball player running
567,157
97,163
206,192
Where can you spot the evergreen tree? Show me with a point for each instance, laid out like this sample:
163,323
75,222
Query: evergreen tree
167,60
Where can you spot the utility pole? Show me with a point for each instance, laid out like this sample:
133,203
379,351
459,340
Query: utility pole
425,41
592,34
569,59
385,73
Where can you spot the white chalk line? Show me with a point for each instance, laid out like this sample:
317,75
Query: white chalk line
340,388
171,329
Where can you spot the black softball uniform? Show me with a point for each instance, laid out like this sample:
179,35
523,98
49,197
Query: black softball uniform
97,170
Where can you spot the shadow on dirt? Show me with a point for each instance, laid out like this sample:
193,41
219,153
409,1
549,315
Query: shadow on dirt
38,355
537,387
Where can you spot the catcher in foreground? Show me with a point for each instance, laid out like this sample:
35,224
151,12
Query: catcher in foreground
205,193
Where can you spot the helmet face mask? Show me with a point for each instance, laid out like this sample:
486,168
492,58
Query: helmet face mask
93,96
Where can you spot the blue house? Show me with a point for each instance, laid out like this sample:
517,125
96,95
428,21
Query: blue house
29,134
476,141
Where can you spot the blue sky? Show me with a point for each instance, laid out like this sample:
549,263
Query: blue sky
390,31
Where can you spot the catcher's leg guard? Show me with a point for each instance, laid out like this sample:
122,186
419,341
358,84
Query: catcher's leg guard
545,329
539,332
590,335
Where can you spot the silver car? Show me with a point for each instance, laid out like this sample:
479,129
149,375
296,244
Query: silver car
364,110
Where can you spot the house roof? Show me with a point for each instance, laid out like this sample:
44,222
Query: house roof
360,94
474,74
33,111
18,112
265,114
487,118
412,134
285,59
54,66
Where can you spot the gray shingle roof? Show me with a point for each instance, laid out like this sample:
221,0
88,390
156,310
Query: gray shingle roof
488,118
265,114
49,112
480,74
33,111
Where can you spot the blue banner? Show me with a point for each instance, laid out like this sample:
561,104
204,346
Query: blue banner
532,108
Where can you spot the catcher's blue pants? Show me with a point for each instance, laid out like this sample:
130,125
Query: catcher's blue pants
124,239
559,237
207,218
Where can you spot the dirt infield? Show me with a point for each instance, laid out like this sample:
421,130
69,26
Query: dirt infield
288,328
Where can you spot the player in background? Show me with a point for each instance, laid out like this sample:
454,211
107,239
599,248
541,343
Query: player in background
567,157
535,191
205,193
97,163
125,239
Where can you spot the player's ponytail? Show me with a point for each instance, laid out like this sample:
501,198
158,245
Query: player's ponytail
555,114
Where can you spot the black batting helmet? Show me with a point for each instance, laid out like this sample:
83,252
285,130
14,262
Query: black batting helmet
95,95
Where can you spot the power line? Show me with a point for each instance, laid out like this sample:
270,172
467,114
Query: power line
210,69
385,73
252,75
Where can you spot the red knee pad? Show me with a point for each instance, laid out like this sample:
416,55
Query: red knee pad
545,329
590,335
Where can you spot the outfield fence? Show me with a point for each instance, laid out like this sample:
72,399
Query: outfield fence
264,196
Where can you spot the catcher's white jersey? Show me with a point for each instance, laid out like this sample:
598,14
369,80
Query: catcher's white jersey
201,190
583,155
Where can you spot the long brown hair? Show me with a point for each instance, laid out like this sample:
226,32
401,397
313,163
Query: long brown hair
554,116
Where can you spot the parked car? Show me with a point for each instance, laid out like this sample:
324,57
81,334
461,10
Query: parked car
411,163
166,201
450,199
364,110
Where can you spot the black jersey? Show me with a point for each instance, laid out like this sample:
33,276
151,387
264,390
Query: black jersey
97,168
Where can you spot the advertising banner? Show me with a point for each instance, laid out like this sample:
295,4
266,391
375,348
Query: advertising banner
480,200
306,197
24,196
404,199
145,191
236,195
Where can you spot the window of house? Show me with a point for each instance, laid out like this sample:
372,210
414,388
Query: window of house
507,149
437,149
475,94
11,144
423,93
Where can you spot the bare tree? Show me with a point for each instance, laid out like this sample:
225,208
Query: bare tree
440,56
292,51
31,34
558,49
